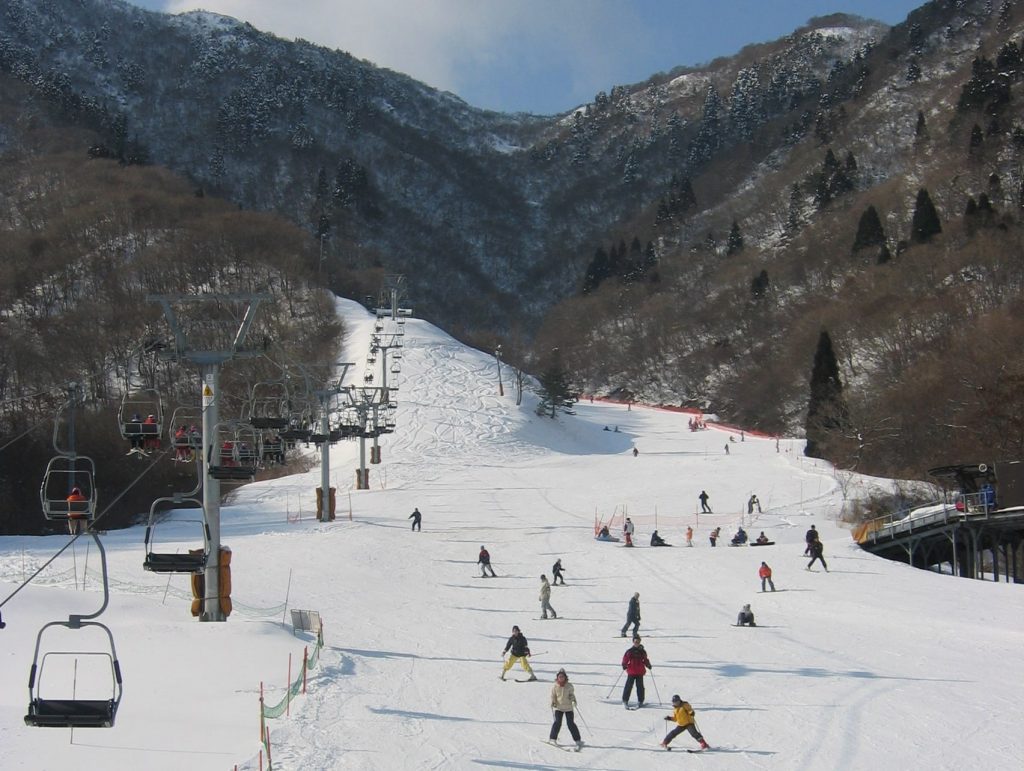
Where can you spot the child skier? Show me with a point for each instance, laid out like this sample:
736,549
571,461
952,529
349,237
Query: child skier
563,702
682,714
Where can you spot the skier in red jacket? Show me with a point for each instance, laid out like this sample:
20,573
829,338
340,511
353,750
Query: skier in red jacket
635,663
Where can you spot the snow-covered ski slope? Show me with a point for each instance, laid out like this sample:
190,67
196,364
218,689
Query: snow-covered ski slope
873,665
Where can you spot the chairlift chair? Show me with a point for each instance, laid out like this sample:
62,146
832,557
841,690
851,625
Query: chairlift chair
64,474
191,439
234,453
141,417
191,561
268,405
46,711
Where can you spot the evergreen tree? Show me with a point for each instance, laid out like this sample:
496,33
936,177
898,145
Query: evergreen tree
597,271
555,392
976,138
827,413
913,72
795,204
869,230
759,285
921,129
925,223
734,244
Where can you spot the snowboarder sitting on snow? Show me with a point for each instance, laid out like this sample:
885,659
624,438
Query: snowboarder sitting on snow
520,652
605,534
657,540
635,664
485,563
563,702
740,538
745,617
682,713
762,539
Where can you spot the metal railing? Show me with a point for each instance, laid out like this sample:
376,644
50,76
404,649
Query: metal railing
967,506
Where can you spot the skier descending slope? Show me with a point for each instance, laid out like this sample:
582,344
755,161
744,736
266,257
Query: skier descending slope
683,714
563,702
520,648
635,663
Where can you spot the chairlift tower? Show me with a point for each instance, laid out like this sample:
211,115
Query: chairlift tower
379,346
209,361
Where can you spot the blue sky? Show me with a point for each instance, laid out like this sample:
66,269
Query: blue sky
541,56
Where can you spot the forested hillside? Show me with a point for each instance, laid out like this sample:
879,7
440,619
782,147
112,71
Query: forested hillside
84,243
687,240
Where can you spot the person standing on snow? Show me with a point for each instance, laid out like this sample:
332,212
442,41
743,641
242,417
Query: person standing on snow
563,702
545,598
635,664
689,535
704,497
810,537
416,517
632,615
484,561
817,552
520,649
682,714
765,573
713,535
627,530
556,573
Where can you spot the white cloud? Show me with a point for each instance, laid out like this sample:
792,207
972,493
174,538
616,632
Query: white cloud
453,44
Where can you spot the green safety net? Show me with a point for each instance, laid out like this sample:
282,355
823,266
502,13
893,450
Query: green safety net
295,687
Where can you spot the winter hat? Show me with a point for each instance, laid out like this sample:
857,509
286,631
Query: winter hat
636,595
515,629
561,672
746,607
676,699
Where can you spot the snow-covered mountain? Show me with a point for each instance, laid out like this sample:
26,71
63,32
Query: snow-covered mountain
870,665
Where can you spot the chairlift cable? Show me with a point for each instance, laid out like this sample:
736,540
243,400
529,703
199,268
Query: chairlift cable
89,529
26,433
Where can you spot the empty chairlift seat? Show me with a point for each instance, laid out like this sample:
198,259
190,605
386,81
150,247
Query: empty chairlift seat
188,561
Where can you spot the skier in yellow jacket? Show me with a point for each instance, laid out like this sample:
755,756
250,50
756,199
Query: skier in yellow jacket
683,715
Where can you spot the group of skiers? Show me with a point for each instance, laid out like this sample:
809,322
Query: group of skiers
635,661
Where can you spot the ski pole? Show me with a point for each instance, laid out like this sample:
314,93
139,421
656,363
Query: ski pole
616,685
655,684
583,720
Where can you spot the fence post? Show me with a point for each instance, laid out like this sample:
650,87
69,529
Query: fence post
262,719
305,664
288,692
270,762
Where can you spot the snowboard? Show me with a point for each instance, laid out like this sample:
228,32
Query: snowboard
766,543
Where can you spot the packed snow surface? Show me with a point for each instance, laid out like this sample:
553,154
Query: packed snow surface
872,665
